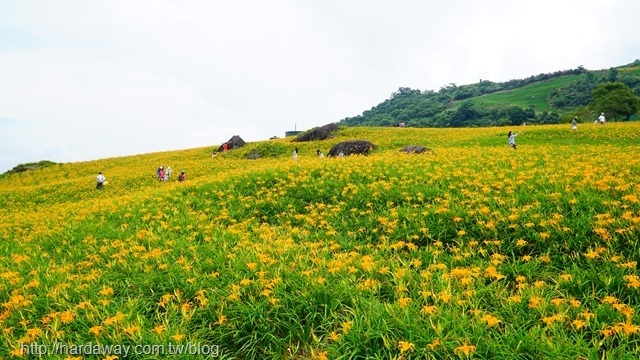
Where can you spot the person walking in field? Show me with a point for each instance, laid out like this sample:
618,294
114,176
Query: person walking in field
168,173
295,154
101,180
602,119
182,177
320,154
512,139
574,123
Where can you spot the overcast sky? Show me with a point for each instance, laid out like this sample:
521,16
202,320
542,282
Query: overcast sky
83,80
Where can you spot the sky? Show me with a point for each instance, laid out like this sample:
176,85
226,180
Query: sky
83,80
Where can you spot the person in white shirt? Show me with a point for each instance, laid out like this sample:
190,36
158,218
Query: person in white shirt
602,119
101,180
512,139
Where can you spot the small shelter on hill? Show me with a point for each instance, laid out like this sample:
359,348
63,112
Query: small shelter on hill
318,133
351,147
233,143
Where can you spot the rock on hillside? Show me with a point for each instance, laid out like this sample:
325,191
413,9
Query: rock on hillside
233,143
318,133
352,147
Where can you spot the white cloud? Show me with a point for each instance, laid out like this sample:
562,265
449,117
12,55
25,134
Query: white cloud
100,79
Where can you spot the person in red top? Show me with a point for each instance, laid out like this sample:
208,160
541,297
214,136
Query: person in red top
225,147
182,176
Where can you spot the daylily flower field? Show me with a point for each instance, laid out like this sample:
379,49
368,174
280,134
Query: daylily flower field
473,250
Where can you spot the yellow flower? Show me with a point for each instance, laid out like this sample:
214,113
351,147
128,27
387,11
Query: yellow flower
132,330
159,329
557,302
491,320
445,296
566,277
405,346
95,330
592,254
114,319
465,349
66,316
334,336
515,299
428,309
178,337
434,344
624,309
549,320
106,291
629,329
578,324
404,302
534,301
319,356
346,326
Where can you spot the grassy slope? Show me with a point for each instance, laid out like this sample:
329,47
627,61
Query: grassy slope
382,256
531,95
535,94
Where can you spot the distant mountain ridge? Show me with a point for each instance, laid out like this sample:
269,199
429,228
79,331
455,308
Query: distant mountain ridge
539,99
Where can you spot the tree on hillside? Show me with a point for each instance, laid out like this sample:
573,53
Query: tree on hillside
404,92
465,113
613,74
616,100
576,93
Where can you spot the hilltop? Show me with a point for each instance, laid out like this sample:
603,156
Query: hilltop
471,250
539,99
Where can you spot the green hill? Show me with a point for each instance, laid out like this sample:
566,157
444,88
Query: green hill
472,250
539,99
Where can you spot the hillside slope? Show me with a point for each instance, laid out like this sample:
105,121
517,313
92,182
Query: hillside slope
473,250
